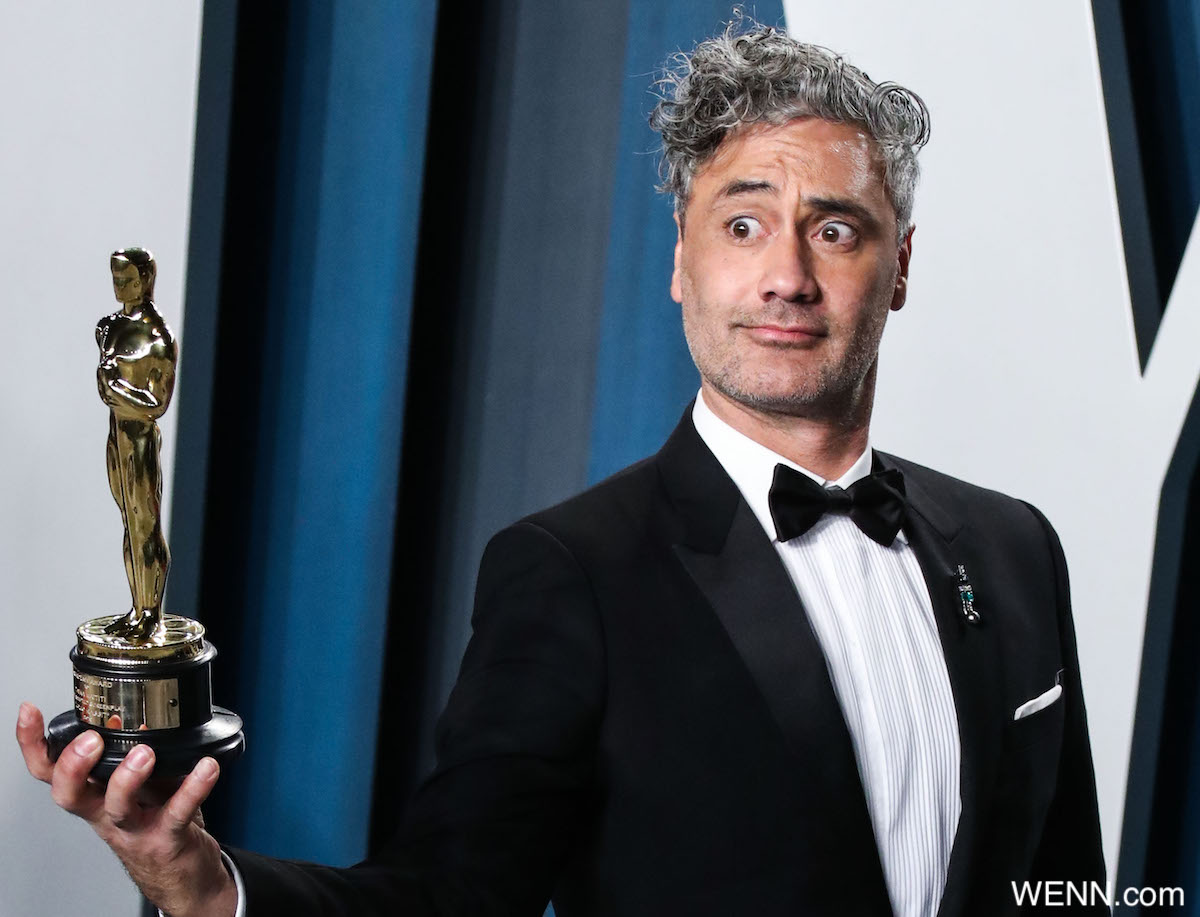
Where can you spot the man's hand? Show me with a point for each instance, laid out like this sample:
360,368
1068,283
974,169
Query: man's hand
164,846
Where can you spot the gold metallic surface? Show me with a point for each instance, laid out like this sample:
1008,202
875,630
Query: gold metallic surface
135,377
174,640
127,703
143,677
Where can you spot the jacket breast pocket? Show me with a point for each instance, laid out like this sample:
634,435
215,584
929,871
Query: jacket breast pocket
1028,767
1037,727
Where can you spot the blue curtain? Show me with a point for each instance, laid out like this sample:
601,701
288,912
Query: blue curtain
1163,47
327,442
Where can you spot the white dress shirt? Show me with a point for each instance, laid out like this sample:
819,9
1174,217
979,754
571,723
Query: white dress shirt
870,610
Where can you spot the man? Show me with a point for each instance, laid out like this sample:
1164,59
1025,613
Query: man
765,671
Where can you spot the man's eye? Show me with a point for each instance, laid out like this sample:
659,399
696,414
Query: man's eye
745,228
837,232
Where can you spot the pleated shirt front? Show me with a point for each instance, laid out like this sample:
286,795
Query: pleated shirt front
870,610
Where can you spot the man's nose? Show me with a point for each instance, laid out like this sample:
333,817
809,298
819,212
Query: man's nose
787,270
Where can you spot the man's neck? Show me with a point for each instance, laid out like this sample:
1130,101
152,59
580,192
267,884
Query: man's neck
827,447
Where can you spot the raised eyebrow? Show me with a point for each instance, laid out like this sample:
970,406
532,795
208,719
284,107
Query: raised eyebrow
740,186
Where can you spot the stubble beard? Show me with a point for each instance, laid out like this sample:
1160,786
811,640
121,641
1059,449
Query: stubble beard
831,387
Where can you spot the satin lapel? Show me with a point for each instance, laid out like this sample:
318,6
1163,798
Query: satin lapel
972,663
748,587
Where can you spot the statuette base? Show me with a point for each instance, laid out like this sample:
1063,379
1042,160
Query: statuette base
176,751
155,691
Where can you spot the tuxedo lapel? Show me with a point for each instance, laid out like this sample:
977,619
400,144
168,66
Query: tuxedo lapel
971,651
749,589
727,554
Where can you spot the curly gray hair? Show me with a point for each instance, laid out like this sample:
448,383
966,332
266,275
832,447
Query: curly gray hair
761,74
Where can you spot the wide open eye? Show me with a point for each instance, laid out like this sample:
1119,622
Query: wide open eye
835,232
744,228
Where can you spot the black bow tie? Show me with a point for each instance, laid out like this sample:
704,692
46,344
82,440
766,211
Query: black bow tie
874,503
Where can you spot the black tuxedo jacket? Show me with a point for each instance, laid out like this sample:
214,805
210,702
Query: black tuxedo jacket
644,723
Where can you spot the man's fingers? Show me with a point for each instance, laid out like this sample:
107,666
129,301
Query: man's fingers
69,782
182,808
121,798
31,737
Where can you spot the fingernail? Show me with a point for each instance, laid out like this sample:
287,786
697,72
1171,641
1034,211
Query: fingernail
88,745
139,758
25,714
206,769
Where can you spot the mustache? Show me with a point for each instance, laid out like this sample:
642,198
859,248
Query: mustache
782,314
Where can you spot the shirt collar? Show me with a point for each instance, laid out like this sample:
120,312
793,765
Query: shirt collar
752,465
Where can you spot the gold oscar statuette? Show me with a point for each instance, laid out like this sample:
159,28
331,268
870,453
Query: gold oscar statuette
142,677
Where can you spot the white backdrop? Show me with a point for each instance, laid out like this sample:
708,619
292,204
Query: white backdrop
95,154
1014,363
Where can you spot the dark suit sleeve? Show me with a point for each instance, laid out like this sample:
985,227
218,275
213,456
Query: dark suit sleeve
1070,848
490,830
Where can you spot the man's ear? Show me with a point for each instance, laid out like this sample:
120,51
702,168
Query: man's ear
903,256
676,286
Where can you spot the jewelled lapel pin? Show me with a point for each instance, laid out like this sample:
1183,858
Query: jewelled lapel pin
966,596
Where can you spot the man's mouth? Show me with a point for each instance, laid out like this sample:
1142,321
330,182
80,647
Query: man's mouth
784,333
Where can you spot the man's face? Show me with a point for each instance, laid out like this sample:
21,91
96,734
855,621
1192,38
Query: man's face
787,265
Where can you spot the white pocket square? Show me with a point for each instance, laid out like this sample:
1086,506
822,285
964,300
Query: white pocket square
1041,702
